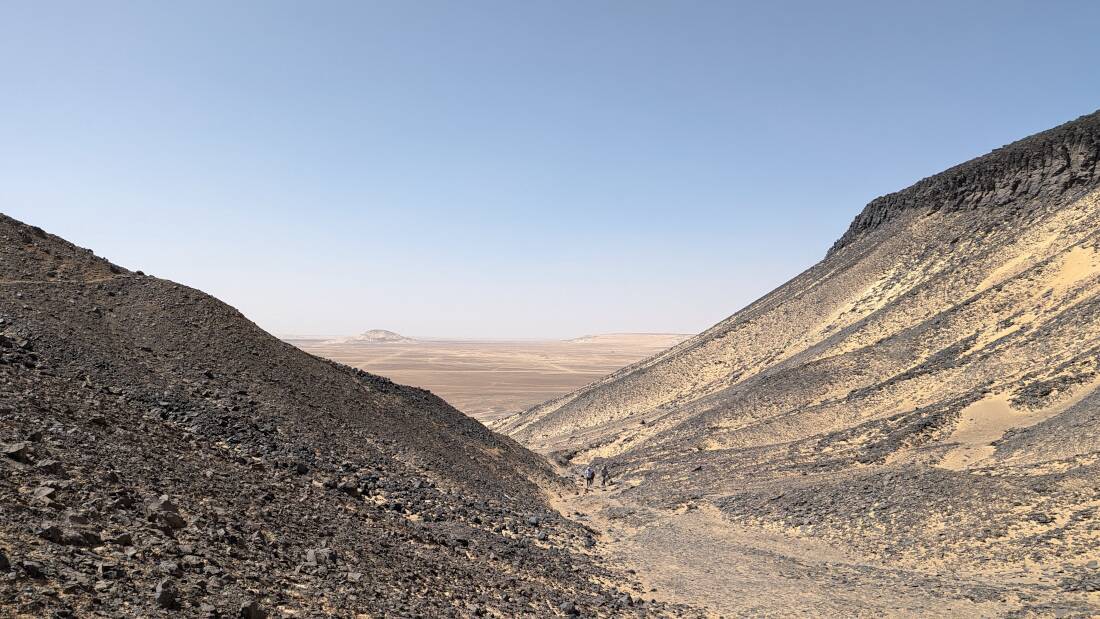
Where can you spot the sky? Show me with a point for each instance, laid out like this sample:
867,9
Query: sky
535,169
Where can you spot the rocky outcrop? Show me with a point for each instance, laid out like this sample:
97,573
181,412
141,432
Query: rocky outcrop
1038,170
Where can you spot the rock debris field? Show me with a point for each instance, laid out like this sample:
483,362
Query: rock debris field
163,456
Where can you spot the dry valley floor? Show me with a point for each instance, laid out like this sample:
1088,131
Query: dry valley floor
489,379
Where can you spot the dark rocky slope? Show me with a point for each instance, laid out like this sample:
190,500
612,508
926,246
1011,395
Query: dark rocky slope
163,454
1041,168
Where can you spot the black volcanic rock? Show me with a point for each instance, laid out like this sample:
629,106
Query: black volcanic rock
1040,170
162,452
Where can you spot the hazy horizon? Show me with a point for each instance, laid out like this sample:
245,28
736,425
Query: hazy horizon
447,338
498,170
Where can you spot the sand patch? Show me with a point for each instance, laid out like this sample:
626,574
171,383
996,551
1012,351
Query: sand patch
985,421
1027,257
982,423
1079,264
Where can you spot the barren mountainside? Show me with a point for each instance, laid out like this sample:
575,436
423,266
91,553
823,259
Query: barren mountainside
161,453
927,394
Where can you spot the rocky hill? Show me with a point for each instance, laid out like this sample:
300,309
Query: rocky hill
373,336
926,394
161,453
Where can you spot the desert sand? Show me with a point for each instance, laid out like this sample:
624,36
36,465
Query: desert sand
489,379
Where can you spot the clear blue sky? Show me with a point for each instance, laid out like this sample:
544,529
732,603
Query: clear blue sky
506,169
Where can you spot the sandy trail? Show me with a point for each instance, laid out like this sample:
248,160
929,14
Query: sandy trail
694,556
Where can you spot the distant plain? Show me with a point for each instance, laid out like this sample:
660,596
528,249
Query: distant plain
489,379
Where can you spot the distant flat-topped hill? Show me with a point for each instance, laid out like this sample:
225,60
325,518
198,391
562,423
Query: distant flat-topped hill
374,336
668,339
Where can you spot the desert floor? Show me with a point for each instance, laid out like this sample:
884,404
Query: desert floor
489,379
693,555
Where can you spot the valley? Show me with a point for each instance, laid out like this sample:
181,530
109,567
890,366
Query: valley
908,427
550,310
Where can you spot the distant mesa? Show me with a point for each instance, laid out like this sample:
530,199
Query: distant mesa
374,336
612,338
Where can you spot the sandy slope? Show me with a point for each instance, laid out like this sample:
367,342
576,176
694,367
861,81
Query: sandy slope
924,397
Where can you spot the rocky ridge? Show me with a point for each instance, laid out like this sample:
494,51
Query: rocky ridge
1040,169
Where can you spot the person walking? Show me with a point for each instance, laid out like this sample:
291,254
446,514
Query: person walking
589,475
605,474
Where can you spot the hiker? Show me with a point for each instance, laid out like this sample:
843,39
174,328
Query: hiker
605,474
589,475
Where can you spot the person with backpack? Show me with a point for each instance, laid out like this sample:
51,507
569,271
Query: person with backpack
589,475
605,474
